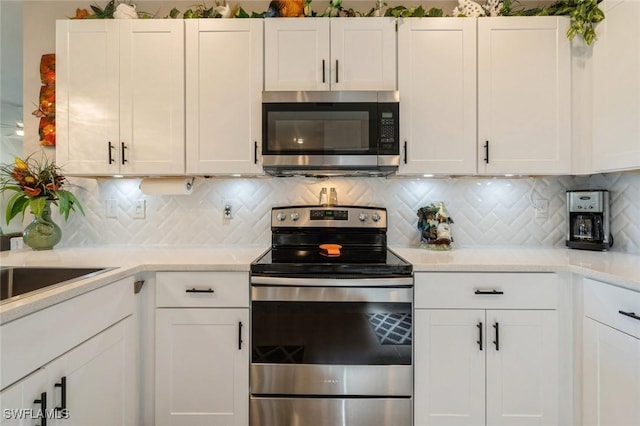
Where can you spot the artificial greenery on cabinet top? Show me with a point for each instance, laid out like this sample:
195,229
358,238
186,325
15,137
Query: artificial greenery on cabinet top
584,14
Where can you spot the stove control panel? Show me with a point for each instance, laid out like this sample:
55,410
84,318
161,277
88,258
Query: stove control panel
329,216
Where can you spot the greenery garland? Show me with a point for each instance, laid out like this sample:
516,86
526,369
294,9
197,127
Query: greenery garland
584,14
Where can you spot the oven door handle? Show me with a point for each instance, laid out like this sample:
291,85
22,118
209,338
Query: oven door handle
334,282
265,293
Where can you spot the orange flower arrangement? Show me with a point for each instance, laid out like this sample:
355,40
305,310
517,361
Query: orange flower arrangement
35,183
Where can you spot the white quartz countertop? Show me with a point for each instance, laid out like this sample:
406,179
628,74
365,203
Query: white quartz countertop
615,268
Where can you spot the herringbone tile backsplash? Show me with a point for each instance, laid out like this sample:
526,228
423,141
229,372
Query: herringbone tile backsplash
486,211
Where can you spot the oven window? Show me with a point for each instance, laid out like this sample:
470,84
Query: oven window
347,333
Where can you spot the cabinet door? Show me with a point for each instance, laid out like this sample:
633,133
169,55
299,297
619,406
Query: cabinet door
17,400
99,379
363,54
87,91
524,95
152,97
611,376
437,84
296,54
522,368
449,367
224,95
202,367
616,88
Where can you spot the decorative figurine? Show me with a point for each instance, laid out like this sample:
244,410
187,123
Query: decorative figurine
468,8
434,225
285,9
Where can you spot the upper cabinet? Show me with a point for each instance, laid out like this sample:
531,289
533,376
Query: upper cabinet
437,85
224,95
120,97
524,95
616,88
330,54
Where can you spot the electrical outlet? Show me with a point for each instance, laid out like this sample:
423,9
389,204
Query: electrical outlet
542,208
111,208
139,209
227,209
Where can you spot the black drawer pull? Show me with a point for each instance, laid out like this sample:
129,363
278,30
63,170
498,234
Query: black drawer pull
494,291
111,147
123,151
43,408
63,393
199,290
630,315
486,152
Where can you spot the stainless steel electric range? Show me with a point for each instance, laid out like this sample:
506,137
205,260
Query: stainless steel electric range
331,332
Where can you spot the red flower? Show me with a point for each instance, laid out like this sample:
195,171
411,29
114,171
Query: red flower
32,192
51,187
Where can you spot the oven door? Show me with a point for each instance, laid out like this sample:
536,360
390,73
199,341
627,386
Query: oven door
329,337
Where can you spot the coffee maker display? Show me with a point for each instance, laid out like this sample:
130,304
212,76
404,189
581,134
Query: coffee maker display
588,220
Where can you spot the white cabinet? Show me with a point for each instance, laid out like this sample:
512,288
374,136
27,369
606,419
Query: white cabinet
224,65
616,88
437,85
25,395
202,348
84,358
97,379
120,97
330,54
524,95
611,355
486,349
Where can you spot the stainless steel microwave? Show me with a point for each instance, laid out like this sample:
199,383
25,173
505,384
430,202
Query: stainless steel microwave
330,133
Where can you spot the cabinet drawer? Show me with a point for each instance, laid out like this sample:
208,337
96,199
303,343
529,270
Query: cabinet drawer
603,302
202,289
482,290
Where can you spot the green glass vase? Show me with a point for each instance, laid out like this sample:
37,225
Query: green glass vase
42,233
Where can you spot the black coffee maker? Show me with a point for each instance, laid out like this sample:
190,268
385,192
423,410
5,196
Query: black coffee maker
588,220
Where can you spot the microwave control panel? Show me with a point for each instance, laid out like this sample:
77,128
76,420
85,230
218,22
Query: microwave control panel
389,128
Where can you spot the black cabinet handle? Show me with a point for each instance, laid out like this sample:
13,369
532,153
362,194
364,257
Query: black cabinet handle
479,342
494,291
336,70
63,393
323,76
111,160
255,152
630,315
43,408
486,152
239,335
122,150
497,341
199,290
405,152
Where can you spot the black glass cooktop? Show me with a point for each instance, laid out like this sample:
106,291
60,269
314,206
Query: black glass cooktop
312,261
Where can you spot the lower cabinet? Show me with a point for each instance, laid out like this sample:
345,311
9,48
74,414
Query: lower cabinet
477,361
611,356
85,358
202,349
91,384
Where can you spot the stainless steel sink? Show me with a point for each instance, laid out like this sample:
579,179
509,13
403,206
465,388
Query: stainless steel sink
17,281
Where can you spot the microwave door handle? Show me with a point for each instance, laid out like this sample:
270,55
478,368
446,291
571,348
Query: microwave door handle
337,71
